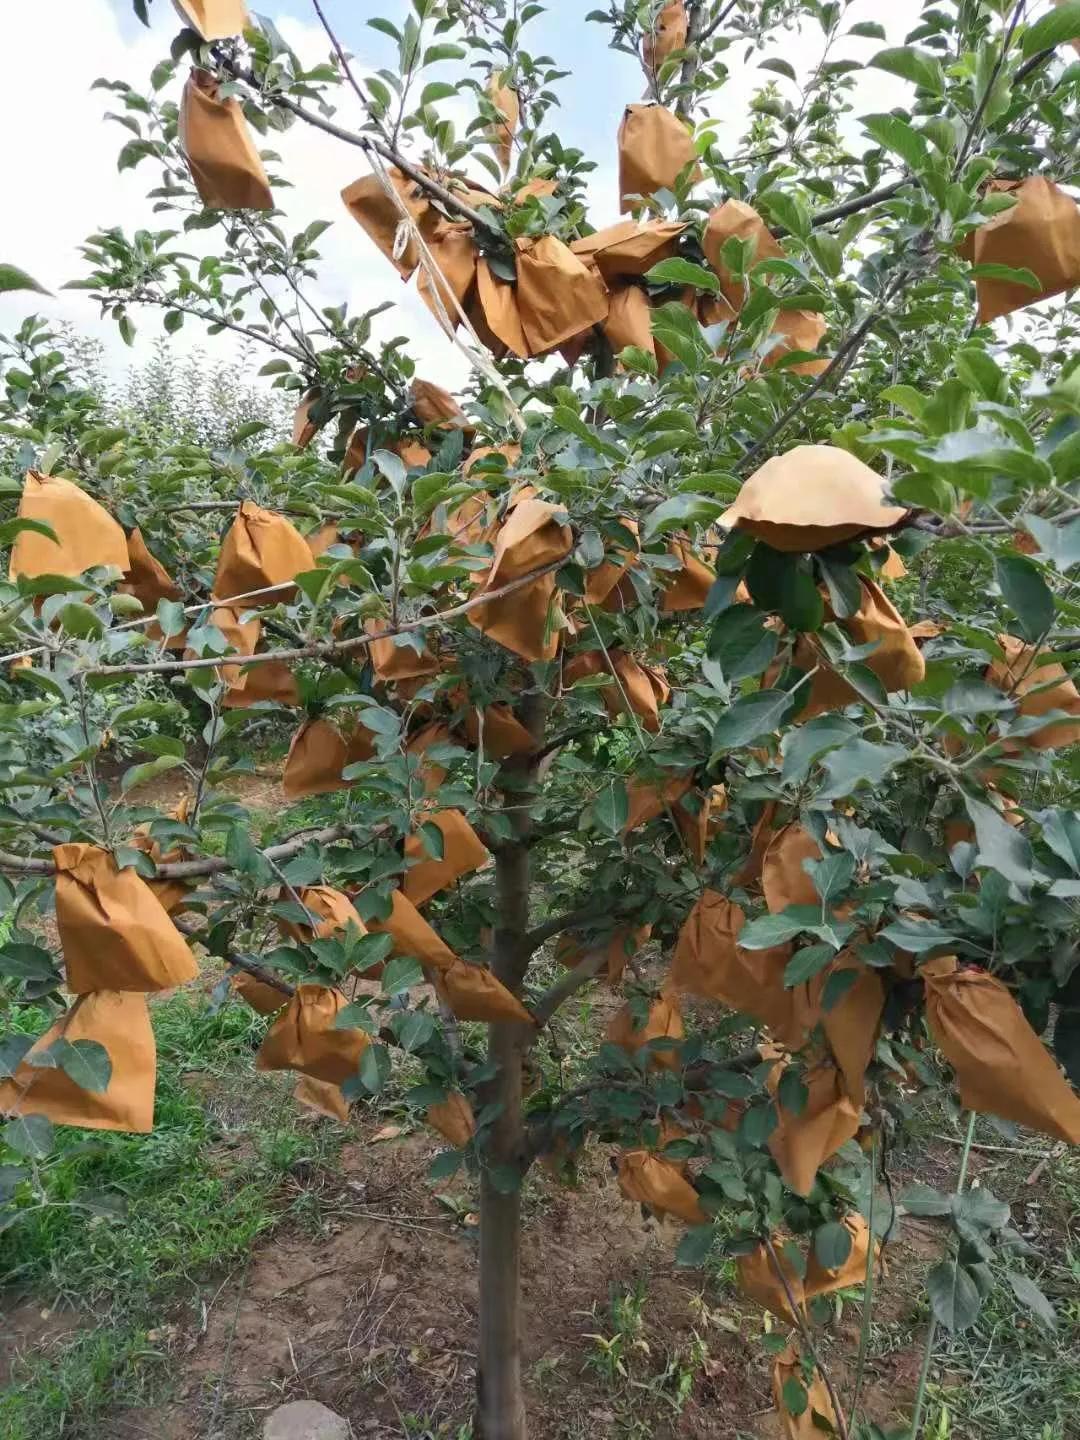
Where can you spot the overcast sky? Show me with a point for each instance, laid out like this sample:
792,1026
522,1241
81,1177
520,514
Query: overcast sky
58,154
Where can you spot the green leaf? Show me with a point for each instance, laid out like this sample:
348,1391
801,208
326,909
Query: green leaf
676,327
954,1296
794,1395
806,963
769,930
13,1048
611,808
804,744
695,1246
375,1067
85,1062
1026,593
751,717
857,762
924,1201
918,936
778,67
897,135
26,962
434,53
1059,25
139,774
868,30
917,66
1029,1295
740,642
832,1245
401,974
12,278
29,1135
678,512
1000,846
80,620
683,272
1060,830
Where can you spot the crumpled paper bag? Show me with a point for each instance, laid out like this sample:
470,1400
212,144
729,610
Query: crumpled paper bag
658,1184
557,294
86,534
463,853
318,753
530,538
225,165
303,1037
654,148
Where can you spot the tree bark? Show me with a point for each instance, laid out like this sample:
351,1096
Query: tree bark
500,1400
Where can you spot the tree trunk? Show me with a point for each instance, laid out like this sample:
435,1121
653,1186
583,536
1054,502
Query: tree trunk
500,1401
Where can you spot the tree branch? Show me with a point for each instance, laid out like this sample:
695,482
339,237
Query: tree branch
573,981
536,937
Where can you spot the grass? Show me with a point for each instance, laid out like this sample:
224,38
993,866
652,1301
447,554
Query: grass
168,1211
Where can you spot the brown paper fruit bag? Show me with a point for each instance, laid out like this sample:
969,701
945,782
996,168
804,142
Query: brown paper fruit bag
501,133
624,943
825,1281
629,321
784,882
557,294
735,220
757,1279
1002,1067
664,1022
304,1038
114,931
654,148
453,1118
852,1024
260,549
430,774
474,993
600,582
214,19
118,1020
435,406
453,249
810,498
412,935
264,999
86,534
803,1426
147,579
1039,689
319,752
658,1184
688,587
497,306
530,539
503,733
225,166
634,689
709,963
333,911
630,248
802,1143
649,800
370,206
698,818
797,330
322,1097
668,34
463,853
304,429
270,681
392,662
1041,233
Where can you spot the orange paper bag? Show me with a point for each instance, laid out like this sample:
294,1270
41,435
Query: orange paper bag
667,34
86,534
648,801
630,248
392,662
504,734
264,999
214,19
375,211
735,220
118,1020
784,882
432,405
322,1097
625,942
629,322
821,1280
497,308
304,429
688,587
1039,689
802,1143
654,148
658,1184
474,993
1041,233
333,913
758,1280
115,933
304,1038
260,549
810,498
412,935
1002,1067
453,1118
663,1022
804,1426
557,294
453,249
530,539
225,166
501,133
462,854
319,752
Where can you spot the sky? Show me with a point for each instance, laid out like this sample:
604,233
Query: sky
67,179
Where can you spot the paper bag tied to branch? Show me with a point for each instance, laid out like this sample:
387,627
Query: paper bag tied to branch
147,579
497,316
463,852
453,1118
225,166
624,942
370,206
264,999
784,882
634,689
118,1020
658,1184
392,662
303,1038
1041,233
735,220
667,34
688,587
319,752
654,147
114,931
1002,1067
503,733
557,294
630,248
322,1097
214,19
802,1143
501,133
412,935
1039,689
86,534
334,913
663,1022
260,549
788,1366
758,1280
530,538
648,800
474,993
453,249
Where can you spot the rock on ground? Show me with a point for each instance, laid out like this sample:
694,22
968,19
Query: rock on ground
306,1420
